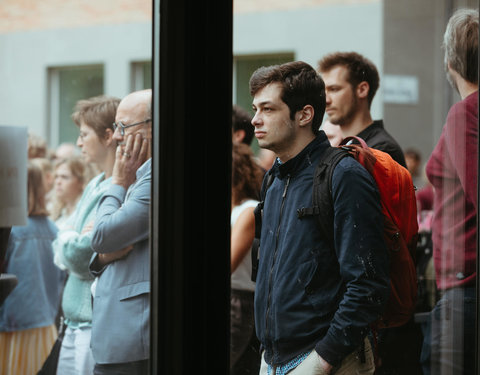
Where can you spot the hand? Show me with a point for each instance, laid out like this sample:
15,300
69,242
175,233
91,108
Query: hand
128,158
327,367
313,364
107,258
87,228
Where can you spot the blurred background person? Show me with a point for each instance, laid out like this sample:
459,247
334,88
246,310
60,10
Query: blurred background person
265,159
71,176
333,132
449,341
414,166
48,177
37,146
66,150
242,129
246,181
95,118
27,317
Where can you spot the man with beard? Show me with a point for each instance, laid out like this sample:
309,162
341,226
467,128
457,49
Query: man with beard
351,82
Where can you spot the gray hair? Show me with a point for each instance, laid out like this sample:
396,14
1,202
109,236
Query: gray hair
460,43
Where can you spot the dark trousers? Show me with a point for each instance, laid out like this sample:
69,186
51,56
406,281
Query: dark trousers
398,350
449,344
128,368
244,345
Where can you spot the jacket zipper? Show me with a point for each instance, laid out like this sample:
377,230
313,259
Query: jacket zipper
277,233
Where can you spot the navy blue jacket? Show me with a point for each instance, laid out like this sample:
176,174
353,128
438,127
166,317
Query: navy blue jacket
295,311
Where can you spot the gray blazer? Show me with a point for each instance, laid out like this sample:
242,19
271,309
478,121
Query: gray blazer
121,310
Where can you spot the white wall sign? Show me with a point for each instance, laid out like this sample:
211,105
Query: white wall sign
400,89
13,176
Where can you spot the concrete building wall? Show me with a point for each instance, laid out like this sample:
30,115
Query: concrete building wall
413,34
312,31
36,36
401,38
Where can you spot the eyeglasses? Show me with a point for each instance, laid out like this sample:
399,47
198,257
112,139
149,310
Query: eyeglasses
123,127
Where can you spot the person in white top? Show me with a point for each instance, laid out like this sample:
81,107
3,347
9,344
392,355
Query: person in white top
246,181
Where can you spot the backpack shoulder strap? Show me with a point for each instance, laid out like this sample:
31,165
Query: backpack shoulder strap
258,212
322,190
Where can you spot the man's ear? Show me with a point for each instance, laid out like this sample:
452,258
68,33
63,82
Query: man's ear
362,90
305,115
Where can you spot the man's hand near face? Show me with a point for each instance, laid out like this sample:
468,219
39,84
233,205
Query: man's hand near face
129,157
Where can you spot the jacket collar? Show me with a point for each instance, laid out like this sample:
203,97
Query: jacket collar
303,159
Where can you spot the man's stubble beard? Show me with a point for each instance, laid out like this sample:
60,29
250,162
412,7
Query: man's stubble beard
347,117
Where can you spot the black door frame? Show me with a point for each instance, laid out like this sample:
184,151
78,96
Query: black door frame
190,226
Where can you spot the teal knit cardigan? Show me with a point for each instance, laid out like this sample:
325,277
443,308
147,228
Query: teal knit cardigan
72,251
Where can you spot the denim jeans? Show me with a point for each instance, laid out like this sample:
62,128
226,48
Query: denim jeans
449,339
75,354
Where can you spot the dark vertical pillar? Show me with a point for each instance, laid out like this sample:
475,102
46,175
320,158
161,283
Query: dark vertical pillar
192,68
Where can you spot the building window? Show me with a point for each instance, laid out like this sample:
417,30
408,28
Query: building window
141,77
67,85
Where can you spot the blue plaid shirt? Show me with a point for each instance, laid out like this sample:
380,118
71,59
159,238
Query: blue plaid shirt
284,369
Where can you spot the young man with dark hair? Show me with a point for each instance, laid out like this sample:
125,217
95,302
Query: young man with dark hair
351,81
314,300
449,345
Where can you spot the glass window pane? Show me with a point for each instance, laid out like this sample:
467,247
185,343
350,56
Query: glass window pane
75,84
435,128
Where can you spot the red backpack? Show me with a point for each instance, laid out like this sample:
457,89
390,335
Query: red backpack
399,207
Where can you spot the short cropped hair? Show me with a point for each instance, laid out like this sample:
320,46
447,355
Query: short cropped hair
460,43
359,69
242,120
98,113
301,86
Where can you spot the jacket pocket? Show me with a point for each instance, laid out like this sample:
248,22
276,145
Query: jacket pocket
322,289
133,290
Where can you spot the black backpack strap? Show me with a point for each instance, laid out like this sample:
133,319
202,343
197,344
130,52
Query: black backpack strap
258,212
322,190
322,203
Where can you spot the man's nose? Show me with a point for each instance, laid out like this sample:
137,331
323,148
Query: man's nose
256,120
328,99
117,135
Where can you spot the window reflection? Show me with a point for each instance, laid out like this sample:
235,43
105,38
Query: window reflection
414,98
55,57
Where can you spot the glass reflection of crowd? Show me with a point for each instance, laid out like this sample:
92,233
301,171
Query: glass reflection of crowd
50,256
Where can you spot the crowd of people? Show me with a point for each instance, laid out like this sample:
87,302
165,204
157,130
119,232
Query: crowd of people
83,256
315,301
82,260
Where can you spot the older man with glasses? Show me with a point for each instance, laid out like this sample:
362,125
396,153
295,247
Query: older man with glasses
120,326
